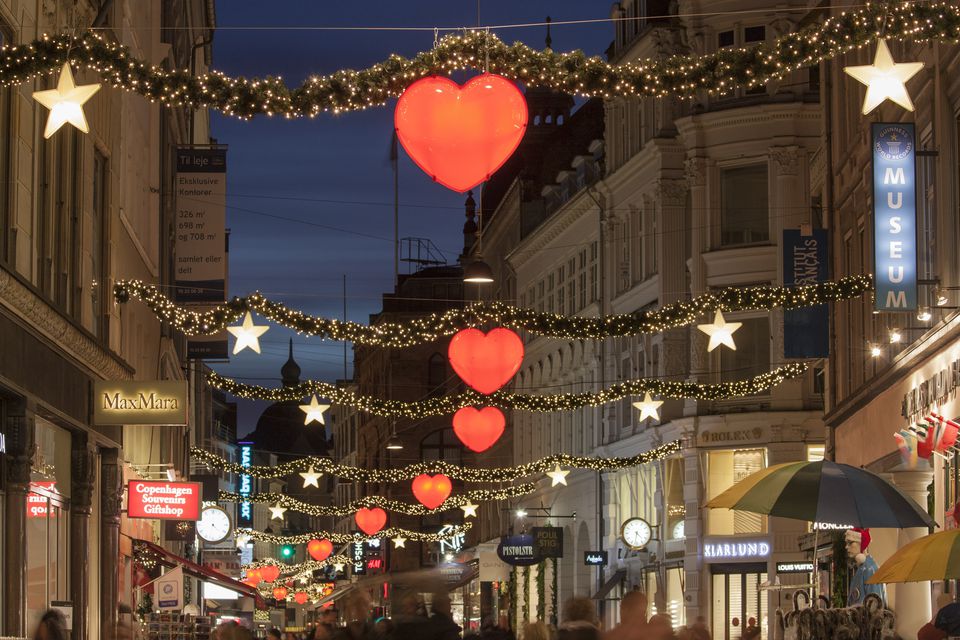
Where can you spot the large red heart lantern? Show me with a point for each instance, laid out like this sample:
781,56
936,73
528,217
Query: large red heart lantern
371,521
320,550
300,597
486,362
431,491
478,429
254,576
269,572
280,593
460,135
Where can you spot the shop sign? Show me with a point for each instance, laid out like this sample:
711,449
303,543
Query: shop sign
805,262
724,437
518,550
38,505
794,567
163,500
595,558
359,559
169,590
492,568
894,216
454,573
245,486
140,402
932,391
453,544
548,542
829,526
735,549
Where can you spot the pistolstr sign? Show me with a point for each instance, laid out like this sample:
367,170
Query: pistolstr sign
518,550
140,402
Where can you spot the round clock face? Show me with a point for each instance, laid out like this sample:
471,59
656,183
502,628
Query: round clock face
636,533
213,525
679,532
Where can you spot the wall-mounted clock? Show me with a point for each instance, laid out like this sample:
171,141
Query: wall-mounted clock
213,525
636,532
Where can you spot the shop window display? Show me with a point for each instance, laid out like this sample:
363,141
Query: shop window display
725,468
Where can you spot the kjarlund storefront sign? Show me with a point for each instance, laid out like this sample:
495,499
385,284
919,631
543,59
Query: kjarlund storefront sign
140,402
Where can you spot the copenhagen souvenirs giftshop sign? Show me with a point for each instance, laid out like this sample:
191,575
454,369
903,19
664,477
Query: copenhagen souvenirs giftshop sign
163,500
140,402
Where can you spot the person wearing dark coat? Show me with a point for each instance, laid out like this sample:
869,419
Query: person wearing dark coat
411,623
579,620
444,628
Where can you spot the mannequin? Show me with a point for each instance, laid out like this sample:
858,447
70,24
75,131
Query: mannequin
864,567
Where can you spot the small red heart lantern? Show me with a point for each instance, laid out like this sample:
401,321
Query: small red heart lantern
479,429
269,572
280,593
486,362
371,521
460,135
300,597
431,491
320,550
254,575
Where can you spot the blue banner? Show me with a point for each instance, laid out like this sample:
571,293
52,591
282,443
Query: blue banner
806,261
245,486
894,216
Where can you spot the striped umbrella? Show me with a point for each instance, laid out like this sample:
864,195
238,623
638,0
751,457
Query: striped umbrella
932,557
826,492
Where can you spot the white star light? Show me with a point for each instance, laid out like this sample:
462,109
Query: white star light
314,411
648,408
720,332
338,567
66,102
242,539
276,512
558,476
470,510
885,79
247,335
311,478
399,542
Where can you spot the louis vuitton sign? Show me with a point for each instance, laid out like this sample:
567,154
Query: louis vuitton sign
140,402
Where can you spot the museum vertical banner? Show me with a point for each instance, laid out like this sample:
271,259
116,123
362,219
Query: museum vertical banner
200,264
806,261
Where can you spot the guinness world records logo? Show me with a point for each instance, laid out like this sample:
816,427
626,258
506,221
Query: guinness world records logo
894,143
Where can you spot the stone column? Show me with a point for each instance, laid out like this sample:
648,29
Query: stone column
82,479
671,248
111,493
694,527
20,435
912,599
696,173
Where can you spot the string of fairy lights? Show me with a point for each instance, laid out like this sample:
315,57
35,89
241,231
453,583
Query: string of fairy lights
431,327
295,570
347,538
456,472
453,502
572,72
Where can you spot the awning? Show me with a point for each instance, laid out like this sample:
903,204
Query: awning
205,574
608,586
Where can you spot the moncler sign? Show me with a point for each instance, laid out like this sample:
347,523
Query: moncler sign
135,402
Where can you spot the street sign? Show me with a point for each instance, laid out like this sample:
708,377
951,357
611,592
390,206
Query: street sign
595,558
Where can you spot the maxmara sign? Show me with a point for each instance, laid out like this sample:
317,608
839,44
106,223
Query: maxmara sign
140,402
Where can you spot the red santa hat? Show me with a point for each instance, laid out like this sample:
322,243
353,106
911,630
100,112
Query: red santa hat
862,536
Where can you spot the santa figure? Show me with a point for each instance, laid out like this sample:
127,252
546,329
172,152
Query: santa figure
864,567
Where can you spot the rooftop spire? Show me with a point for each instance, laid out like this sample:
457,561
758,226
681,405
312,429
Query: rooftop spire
290,371
549,40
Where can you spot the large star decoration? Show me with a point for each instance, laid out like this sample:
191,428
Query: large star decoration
311,478
242,540
314,411
470,510
247,335
276,512
648,408
66,102
885,79
558,476
338,567
720,332
399,542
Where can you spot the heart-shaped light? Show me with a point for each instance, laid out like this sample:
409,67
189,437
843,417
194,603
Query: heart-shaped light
280,593
460,135
320,550
486,361
300,597
269,572
431,491
479,429
371,521
254,575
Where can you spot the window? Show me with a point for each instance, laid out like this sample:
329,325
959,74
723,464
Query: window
6,135
436,375
725,468
441,445
725,39
743,202
755,34
752,356
98,254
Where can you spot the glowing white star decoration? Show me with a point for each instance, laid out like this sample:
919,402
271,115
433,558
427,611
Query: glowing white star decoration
311,478
399,542
720,332
338,567
242,540
247,335
314,411
648,408
276,512
66,102
558,476
885,79
470,510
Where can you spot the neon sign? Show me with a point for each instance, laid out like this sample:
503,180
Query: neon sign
245,488
894,216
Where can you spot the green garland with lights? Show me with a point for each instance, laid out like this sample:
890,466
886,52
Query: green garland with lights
453,502
466,474
431,327
545,403
288,570
573,73
346,538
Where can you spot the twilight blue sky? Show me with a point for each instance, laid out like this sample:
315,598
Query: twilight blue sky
333,172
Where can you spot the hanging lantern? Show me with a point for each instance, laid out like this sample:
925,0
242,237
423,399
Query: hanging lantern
486,361
431,491
280,593
371,521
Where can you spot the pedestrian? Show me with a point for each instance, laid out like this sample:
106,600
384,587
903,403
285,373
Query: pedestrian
579,620
633,618
444,628
536,631
660,627
325,628
411,623
232,631
490,630
52,626
274,634
356,611
751,631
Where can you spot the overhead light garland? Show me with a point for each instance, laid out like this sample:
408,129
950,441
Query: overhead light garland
388,504
295,570
431,327
573,73
344,538
534,403
466,474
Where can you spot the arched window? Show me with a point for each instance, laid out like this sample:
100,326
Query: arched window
441,445
436,375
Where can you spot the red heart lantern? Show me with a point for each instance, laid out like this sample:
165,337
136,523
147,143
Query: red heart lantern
251,581
280,593
319,550
486,362
371,521
300,597
478,429
269,572
460,135
254,575
431,491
